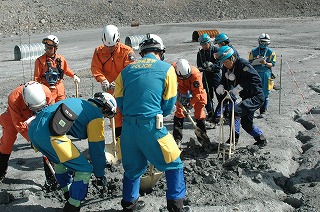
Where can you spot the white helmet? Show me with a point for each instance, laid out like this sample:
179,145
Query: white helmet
110,35
183,69
264,39
152,42
54,39
34,96
106,101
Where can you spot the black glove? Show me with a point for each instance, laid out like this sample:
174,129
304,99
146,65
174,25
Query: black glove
273,76
100,183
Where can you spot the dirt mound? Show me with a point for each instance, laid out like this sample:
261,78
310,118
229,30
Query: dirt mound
33,16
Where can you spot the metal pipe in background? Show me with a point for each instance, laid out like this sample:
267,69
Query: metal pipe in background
211,32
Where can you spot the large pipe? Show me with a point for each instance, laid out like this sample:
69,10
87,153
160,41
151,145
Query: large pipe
134,40
211,32
28,51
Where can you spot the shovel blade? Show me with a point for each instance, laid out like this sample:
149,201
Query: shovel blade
111,155
148,182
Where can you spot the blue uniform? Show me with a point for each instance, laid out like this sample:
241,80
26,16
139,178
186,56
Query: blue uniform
263,70
144,89
88,125
210,79
252,95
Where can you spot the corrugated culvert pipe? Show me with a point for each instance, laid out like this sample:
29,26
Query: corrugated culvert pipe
196,34
134,40
28,51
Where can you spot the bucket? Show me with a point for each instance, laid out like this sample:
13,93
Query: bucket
196,34
28,51
134,40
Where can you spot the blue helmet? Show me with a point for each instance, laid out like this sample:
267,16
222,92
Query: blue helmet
224,53
204,38
222,37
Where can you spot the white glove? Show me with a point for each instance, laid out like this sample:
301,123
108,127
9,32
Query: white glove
220,90
105,85
29,120
76,78
112,86
236,90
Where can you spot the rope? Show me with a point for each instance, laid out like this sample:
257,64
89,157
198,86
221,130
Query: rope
303,98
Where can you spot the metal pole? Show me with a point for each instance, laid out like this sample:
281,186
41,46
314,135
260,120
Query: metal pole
280,85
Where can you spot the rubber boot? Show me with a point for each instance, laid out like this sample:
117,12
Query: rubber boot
70,208
4,158
137,205
177,129
176,206
261,141
118,131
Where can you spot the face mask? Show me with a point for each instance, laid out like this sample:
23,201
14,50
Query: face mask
261,46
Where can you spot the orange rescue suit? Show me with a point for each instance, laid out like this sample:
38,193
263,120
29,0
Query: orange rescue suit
58,93
106,65
12,120
199,95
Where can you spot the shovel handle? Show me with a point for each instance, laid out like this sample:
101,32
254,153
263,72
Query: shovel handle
188,116
114,135
77,89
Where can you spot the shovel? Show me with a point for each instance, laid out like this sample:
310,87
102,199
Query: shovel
111,149
199,133
148,182
77,89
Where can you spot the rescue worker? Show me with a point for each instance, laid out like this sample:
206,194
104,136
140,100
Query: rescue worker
81,119
144,138
108,60
51,67
211,74
262,58
190,94
237,71
222,39
23,102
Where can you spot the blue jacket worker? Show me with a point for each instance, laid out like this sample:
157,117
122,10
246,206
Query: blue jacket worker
146,92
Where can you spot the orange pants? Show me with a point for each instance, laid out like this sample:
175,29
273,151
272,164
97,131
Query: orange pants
198,111
9,133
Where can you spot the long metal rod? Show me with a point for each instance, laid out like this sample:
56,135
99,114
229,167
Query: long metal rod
280,85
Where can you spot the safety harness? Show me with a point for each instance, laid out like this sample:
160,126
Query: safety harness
53,75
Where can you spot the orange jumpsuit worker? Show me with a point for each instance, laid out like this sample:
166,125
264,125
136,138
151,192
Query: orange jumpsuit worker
13,119
51,67
190,94
108,61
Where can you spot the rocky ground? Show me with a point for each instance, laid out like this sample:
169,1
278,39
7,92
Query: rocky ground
283,176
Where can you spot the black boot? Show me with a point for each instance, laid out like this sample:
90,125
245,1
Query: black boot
261,141
50,184
176,206
4,158
177,128
70,208
137,205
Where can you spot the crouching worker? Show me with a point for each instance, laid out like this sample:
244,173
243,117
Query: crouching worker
190,94
23,102
81,119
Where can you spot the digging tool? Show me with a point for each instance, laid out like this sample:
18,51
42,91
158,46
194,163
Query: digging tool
199,133
111,149
77,89
149,181
49,165
222,148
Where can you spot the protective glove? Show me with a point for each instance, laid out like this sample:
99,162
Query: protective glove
208,65
76,78
105,85
100,183
112,86
220,90
236,90
184,99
